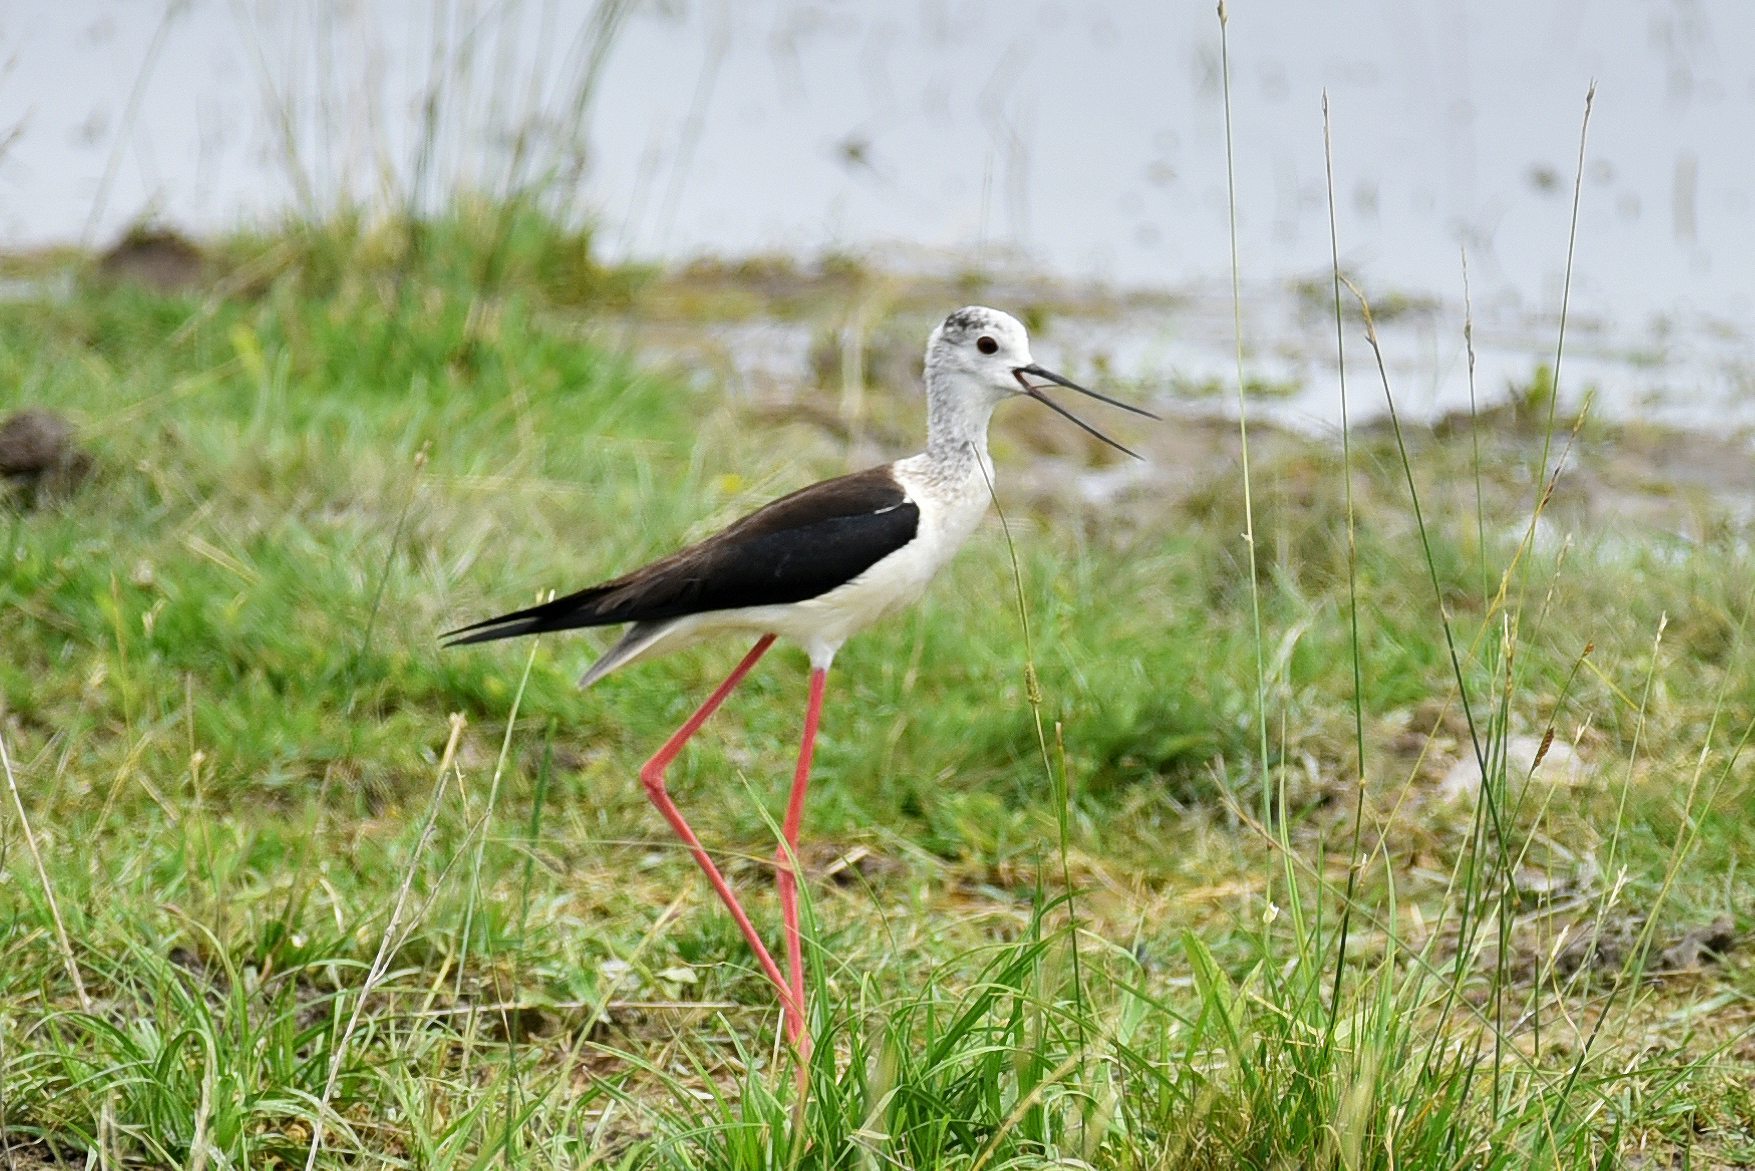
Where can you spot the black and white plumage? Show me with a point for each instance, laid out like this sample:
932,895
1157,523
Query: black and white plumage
817,566
799,548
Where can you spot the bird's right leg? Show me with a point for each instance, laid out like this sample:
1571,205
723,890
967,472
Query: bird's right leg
652,776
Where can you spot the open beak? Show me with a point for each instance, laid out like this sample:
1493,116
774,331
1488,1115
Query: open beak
1024,373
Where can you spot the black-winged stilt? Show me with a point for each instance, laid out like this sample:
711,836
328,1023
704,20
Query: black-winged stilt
814,567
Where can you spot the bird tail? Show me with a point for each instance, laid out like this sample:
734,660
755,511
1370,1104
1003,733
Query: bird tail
566,613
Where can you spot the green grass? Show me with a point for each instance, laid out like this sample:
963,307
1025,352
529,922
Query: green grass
229,721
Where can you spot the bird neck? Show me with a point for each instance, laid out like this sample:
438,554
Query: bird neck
956,429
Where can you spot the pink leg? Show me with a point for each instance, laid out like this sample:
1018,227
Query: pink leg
788,856
652,776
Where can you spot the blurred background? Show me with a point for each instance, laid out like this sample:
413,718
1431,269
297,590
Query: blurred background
1050,139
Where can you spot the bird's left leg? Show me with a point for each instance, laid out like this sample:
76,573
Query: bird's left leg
652,776
786,859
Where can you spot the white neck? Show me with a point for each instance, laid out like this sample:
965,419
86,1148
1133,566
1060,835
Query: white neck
956,423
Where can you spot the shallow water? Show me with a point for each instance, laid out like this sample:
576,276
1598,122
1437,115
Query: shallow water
1179,354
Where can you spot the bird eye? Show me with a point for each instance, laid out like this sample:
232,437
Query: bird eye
987,346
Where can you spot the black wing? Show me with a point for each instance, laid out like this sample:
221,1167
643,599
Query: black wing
798,547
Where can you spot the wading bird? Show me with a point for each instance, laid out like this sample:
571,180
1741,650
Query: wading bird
814,567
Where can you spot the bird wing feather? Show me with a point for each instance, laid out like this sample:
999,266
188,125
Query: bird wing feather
797,547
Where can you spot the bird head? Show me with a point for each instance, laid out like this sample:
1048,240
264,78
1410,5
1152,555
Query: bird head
985,352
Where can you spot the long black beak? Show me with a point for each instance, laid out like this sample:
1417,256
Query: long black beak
1024,373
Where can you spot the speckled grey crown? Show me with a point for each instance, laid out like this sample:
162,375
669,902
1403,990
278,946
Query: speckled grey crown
971,318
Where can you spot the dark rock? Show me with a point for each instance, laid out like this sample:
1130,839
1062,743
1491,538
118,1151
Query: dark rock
157,258
38,458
